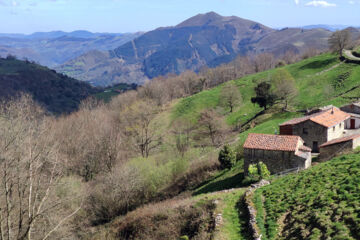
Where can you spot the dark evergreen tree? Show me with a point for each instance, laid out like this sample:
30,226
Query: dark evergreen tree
227,158
264,97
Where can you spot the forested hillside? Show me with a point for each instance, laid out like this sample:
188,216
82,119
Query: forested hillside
56,92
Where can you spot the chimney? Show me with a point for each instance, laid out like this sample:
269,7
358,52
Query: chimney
332,110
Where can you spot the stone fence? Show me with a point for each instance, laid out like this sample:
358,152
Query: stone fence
251,208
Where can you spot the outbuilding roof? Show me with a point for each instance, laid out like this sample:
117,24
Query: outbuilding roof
305,148
340,140
272,142
328,118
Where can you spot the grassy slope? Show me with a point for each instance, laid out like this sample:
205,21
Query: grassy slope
313,89
320,203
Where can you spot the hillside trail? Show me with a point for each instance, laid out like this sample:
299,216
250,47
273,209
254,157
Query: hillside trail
349,54
329,69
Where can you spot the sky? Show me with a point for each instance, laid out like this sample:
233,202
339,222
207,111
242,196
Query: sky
120,16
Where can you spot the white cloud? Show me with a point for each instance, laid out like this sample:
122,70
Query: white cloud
351,2
320,4
297,2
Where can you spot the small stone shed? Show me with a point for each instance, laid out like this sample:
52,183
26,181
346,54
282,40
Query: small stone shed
330,149
278,152
318,128
354,110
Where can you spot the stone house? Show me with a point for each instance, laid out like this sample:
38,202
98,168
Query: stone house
278,152
330,149
318,128
354,110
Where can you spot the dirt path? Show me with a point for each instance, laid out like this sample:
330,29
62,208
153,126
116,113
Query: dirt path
349,54
329,69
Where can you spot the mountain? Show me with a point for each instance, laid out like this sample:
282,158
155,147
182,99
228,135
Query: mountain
332,28
55,48
293,39
56,92
203,40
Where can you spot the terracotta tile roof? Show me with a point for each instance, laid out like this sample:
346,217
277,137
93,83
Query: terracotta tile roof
296,120
340,140
272,142
331,117
328,118
305,149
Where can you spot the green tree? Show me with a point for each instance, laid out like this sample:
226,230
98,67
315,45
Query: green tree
284,86
264,96
230,96
227,157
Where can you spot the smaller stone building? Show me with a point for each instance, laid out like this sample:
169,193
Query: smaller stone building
351,108
354,110
278,152
337,146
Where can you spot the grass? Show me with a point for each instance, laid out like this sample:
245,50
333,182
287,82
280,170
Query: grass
223,180
235,218
234,225
320,203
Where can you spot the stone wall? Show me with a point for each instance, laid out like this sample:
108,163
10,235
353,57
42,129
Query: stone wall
311,132
275,161
256,234
328,152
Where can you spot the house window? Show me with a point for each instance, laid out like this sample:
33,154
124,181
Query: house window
305,131
340,125
334,128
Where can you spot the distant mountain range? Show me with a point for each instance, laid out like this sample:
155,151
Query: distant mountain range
203,40
104,59
332,28
57,93
55,48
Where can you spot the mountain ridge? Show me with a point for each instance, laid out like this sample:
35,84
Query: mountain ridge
203,40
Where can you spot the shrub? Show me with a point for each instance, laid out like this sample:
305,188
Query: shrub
258,171
227,158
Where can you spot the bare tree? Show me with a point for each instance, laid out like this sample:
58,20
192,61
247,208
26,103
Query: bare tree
339,40
182,130
284,84
230,96
264,61
140,127
91,140
31,171
211,126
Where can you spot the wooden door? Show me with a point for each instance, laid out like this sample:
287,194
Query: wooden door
352,123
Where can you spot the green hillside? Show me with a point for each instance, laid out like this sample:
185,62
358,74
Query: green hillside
320,203
320,80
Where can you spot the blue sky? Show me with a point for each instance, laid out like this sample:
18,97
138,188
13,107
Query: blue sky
27,16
